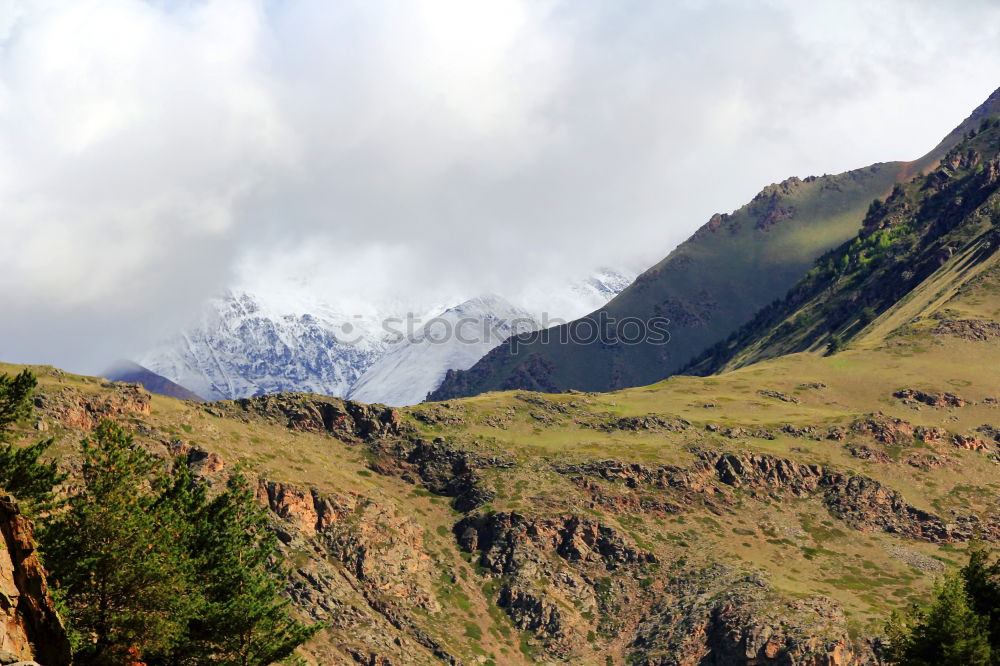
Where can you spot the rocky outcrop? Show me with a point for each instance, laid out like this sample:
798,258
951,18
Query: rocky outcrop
635,475
718,619
31,629
862,502
885,429
344,419
76,409
769,473
647,422
385,550
306,509
202,462
866,504
970,443
588,566
930,435
361,565
968,329
443,468
506,539
778,395
865,452
938,400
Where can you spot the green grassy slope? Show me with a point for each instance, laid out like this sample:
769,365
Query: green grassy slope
641,464
929,237
710,285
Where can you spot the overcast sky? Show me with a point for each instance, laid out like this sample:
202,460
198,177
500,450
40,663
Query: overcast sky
153,152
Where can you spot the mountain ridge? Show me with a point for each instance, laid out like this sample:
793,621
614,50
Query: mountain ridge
950,216
127,371
247,343
717,280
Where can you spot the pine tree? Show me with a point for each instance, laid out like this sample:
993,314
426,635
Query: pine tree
22,471
115,556
15,399
982,583
244,621
948,632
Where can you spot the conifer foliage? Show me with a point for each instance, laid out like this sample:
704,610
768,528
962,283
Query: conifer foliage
960,626
22,472
114,555
149,568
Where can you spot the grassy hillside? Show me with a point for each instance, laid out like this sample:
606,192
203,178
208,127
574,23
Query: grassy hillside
710,285
780,510
932,235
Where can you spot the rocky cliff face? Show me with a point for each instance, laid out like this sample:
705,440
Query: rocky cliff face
74,408
30,629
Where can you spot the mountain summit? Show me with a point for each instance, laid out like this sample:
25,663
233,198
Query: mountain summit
710,285
248,344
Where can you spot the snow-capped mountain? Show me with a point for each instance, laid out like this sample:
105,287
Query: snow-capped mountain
247,344
455,339
242,348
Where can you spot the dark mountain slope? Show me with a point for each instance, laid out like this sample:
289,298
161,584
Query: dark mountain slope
127,371
709,286
940,228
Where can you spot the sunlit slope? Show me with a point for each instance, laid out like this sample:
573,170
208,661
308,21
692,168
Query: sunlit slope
711,284
930,237
783,473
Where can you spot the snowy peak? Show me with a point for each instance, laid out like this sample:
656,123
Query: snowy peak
454,339
246,344
240,348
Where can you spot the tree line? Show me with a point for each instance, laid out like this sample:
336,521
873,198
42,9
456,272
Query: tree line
146,566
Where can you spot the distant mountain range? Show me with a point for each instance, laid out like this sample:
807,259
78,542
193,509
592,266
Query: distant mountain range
245,344
127,371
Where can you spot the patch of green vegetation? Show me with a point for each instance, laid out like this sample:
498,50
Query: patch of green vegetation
473,631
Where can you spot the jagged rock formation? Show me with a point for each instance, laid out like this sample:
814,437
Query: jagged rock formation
76,409
716,618
31,629
313,413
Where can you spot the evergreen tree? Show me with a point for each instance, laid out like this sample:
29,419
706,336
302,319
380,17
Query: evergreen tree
116,554
982,583
948,632
15,400
244,621
22,472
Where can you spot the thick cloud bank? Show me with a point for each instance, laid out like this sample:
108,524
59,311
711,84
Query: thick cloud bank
153,152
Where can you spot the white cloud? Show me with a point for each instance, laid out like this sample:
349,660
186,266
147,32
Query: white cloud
153,152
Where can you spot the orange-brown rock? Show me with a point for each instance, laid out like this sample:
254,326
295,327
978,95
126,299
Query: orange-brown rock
306,509
76,409
931,435
31,629
970,443
201,461
885,429
939,400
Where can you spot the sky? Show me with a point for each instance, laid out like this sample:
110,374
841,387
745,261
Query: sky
155,152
